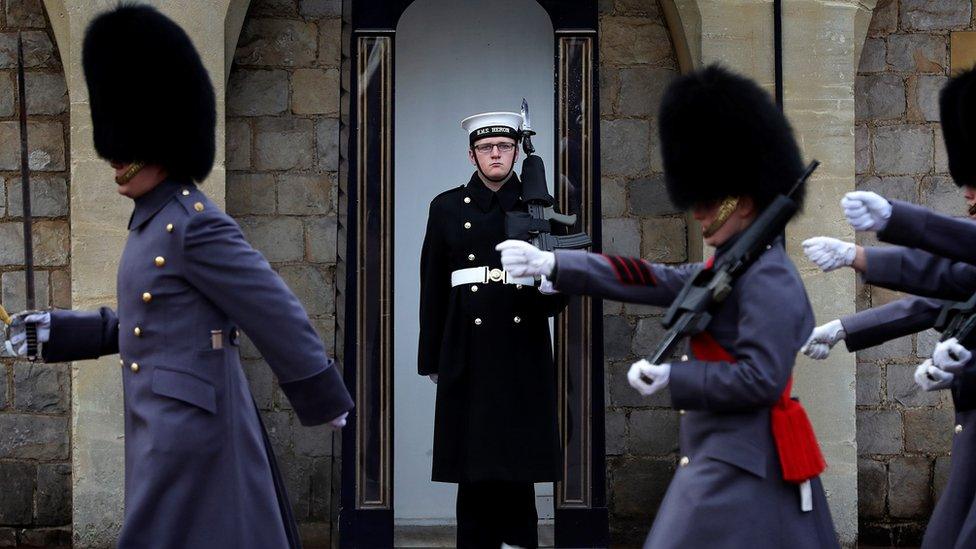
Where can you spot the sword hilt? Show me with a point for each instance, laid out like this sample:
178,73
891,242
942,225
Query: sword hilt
30,329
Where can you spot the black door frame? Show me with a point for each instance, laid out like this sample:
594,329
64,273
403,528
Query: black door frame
366,500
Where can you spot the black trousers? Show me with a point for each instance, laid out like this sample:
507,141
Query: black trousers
492,512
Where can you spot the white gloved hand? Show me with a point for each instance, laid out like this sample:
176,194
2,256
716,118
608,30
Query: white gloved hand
822,339
16,344
931,378
339,422
520,258
866,211
829,253
546,287
642,370
433,377
950,356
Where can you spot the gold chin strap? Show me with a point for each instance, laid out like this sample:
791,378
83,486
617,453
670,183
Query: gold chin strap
725,210
130,173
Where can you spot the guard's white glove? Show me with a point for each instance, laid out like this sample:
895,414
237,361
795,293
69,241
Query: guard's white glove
829,253
433,377
520,258
822,339
866,211
931,378
950,356
642,370
546,287
16,344
339,422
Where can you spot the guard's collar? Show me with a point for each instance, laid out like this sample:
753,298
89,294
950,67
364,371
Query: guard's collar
508,195
148,204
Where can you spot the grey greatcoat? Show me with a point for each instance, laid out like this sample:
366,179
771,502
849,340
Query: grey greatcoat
728,491
199,470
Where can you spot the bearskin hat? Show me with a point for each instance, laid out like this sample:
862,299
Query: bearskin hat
151,98
722,135
958,114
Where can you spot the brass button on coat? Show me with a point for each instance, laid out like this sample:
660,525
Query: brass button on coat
198,206
121,362
467,224
169,227
684,461
147,297
517,319
474,288
958,429
467,199
160,261
470,257
186,192
134,367
477,322
137,331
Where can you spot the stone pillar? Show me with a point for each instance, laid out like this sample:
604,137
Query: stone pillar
98,220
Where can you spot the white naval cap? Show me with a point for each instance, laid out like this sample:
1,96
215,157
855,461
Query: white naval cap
493,124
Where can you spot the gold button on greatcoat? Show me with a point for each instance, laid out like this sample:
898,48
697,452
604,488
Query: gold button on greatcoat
169,227
684,461
186,192
517,319
467,199
147,297
134,367
467,224
470,257
682,412
121,362
160,261
477,322
518,286
137,331
198,206
474,288
958,429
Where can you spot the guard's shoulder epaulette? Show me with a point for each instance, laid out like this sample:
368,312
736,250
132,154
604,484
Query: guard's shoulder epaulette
447,193
192,199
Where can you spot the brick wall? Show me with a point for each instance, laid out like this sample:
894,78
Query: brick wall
904,435
282,163
35,467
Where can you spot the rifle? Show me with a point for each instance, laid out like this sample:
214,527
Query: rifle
692,310
535,225
958,320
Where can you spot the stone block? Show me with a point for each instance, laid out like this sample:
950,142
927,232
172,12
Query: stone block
940,475
621,236
879,97
903,188
928,430
618,334
52,245
330,42
631,41
283,144
321,236
33,437
327,143
41,388
909,483
872,488
52,501
941,156
25,13
8,537
917,53
314,288
622,394
315,91
924,104
862,149
250,194
261,380
257,92
879,432
937,15
273,8
653,432
613,197
925,343
903,390
638,485
641,90
665,240
868,385
8,94
49,538
17,486
313,441
320,500
884,20
277,43
278,238
941,194
300,194
11,244
281,430
3,197
38,50
238,144
61,289
45,146
15,290
872,56
903,150
609,89
49,196
648,334
625,147
320,8
3,388
47,93
896,348
648,196
616,432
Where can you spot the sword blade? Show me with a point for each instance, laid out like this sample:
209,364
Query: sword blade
31,329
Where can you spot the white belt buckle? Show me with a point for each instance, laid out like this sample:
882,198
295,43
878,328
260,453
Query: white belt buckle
496,275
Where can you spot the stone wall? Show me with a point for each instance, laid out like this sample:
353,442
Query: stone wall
35,469
637,61
282,163
904,435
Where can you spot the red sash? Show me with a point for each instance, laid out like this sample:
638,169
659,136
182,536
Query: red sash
796,443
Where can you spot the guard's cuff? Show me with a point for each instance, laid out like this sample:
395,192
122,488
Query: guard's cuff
320,398
883,266
687,385
75,335
903,225
569,274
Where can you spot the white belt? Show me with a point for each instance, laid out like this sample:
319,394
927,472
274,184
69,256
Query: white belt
484,275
